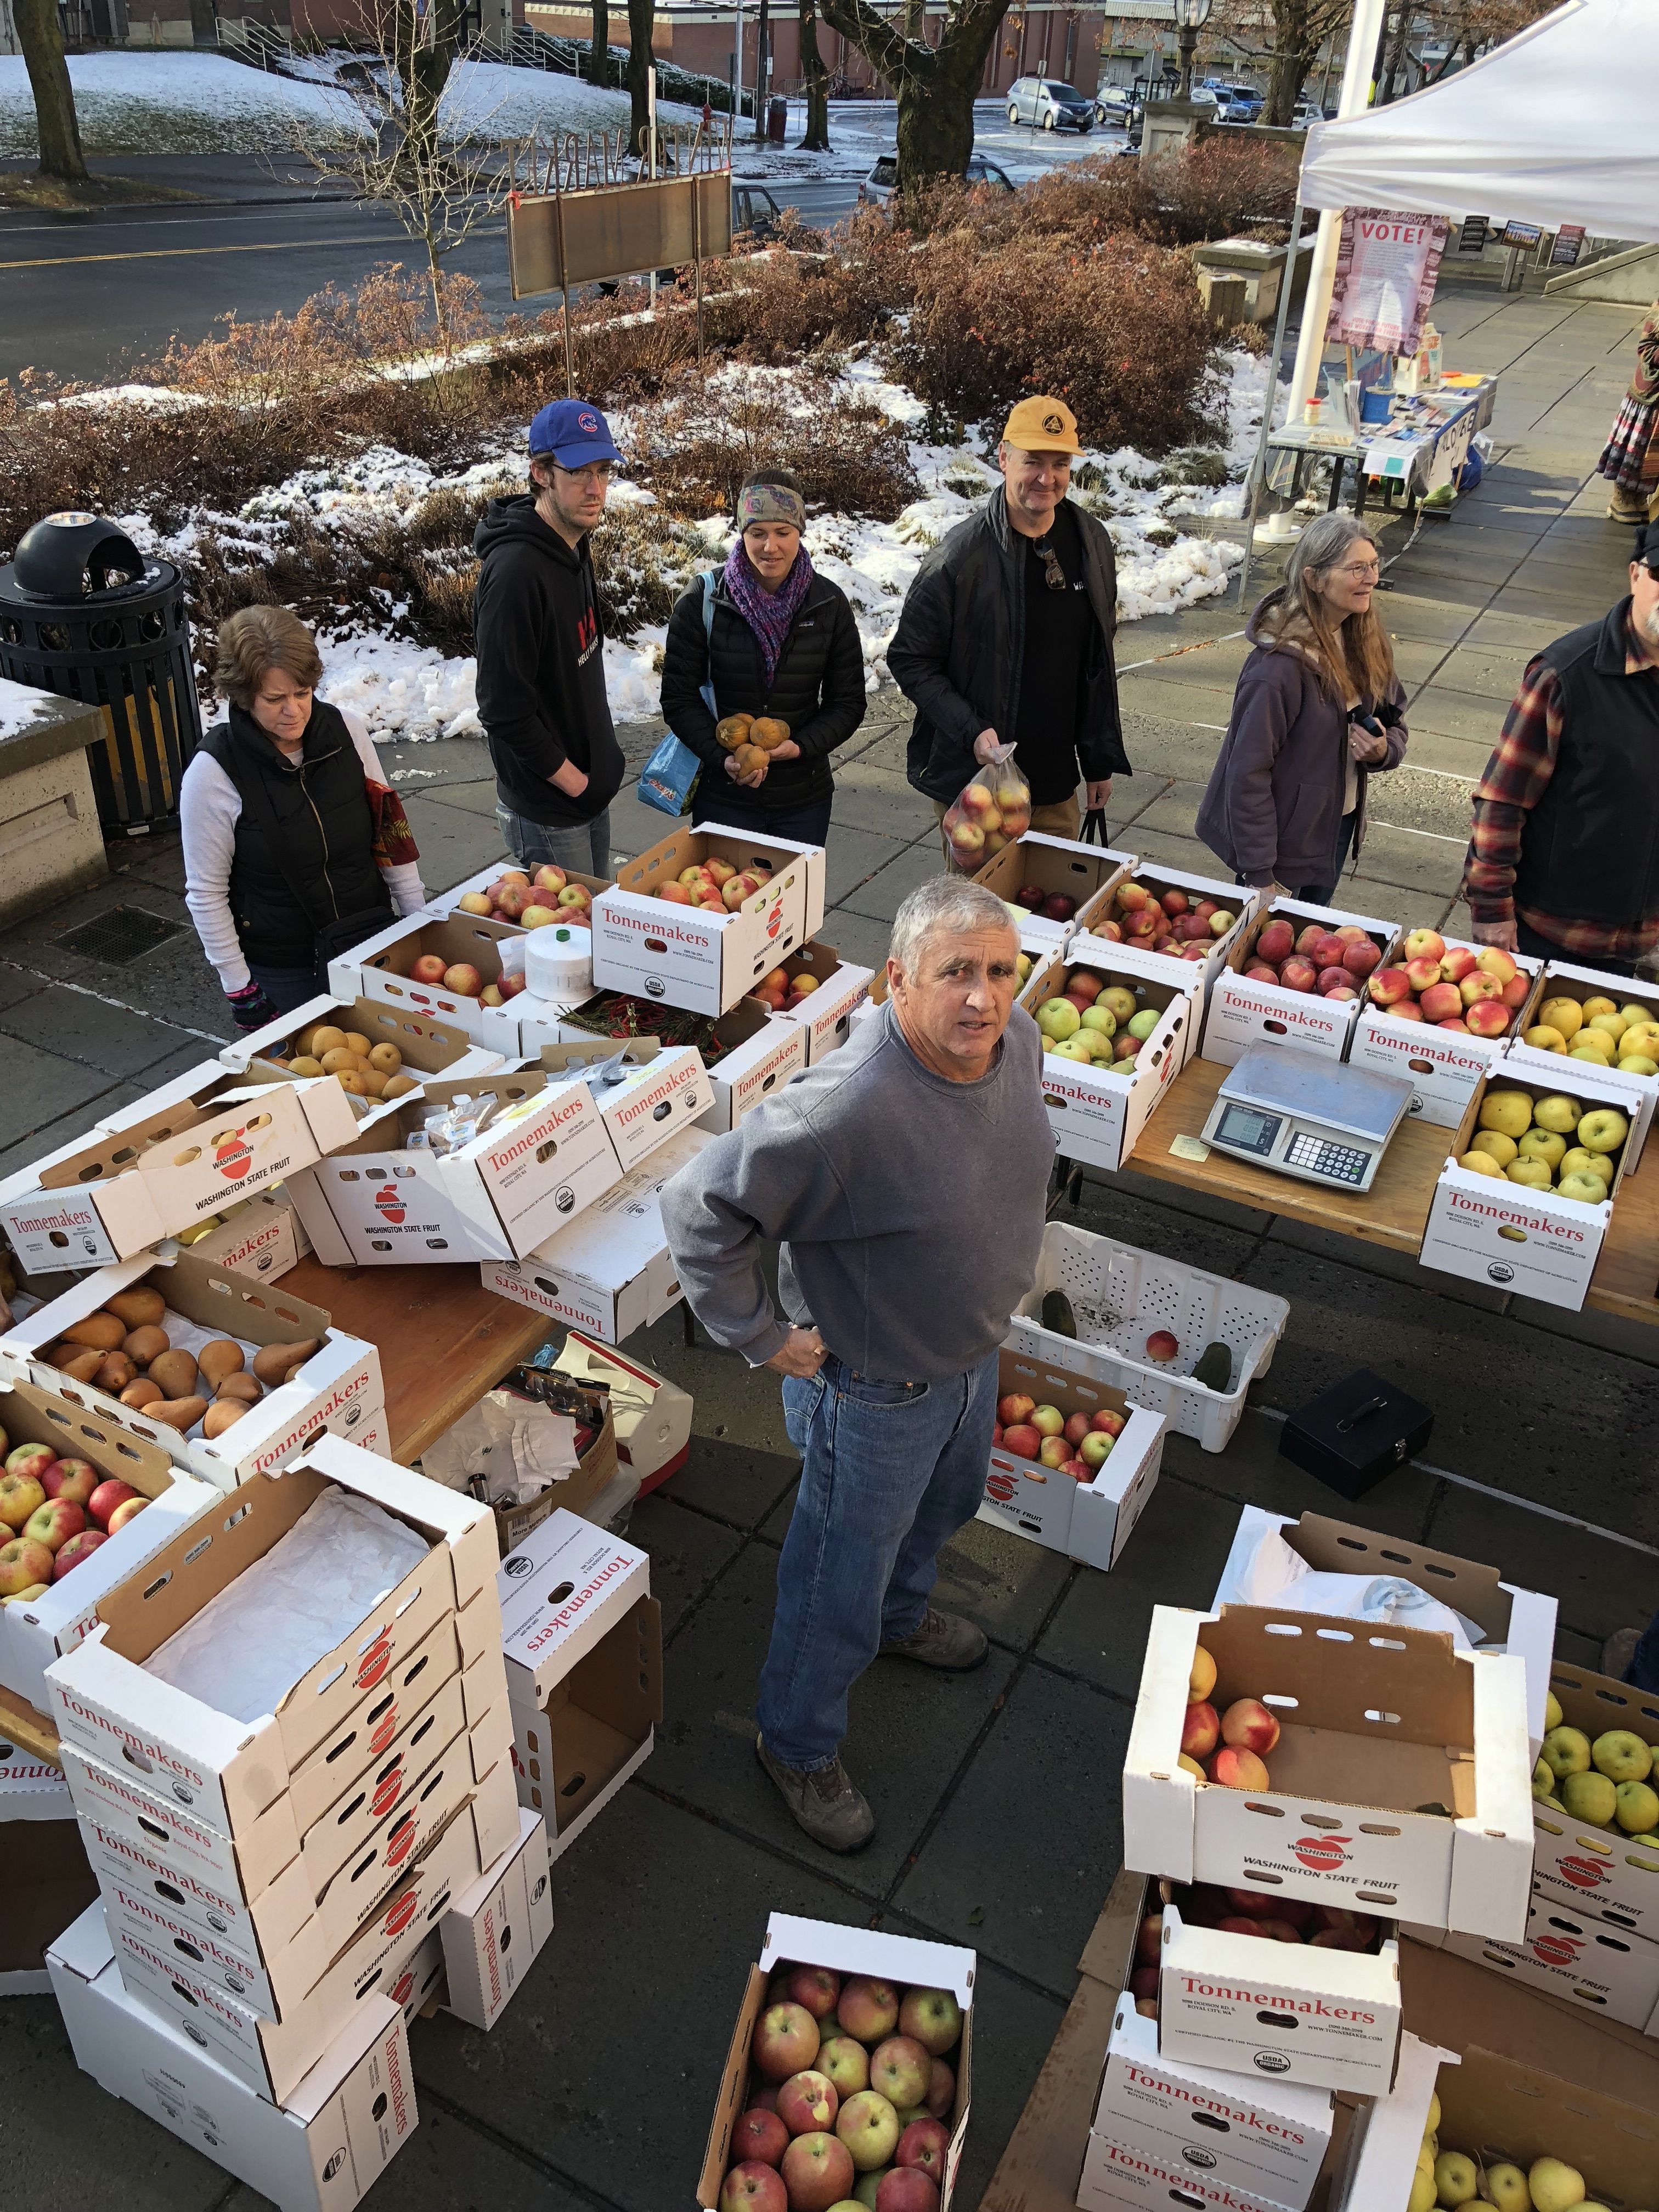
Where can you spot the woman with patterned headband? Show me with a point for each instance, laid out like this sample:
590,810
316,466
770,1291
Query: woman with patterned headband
766,635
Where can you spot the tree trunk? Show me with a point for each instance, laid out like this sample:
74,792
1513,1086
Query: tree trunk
935,86
599,65
1396,56
816,140
58,132
762,34
641,20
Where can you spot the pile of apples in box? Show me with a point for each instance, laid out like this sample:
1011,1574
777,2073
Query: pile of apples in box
58,1512
1172,922
1477,991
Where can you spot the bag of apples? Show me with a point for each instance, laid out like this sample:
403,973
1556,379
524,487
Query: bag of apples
987,814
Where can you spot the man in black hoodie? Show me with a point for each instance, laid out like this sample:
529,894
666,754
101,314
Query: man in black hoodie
541,653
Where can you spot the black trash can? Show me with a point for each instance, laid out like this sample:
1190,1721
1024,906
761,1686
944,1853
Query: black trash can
83,613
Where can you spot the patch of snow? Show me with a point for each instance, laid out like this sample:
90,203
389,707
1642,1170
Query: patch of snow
173,103
402,691
21,706
491,100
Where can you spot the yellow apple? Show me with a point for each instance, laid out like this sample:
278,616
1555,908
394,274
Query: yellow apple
1614,1025
1635,1808
1594,1006
1635,1013
1586,1187
1456,2178
1190,1766
1589,1797
1506,2186
1543,1144
1481,1163
1577,1161
1603,1129
1535,1175
1564,1014
1638,1063
1543,1779
1433,2120
1543,1038
1509,1111
1118,1002
1423,2194
1502,1148
1558,1113
1555,2186
1622,1756
1553,1716
1594,1055
1058,1019
1567,1751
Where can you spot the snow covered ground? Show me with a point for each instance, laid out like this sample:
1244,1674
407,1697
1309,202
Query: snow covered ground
860,130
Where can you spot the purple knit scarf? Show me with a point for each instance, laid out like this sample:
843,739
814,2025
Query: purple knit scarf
768,614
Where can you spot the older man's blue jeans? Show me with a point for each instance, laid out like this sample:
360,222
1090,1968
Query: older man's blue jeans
890,1472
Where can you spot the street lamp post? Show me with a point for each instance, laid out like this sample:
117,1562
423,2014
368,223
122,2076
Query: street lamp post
1191,16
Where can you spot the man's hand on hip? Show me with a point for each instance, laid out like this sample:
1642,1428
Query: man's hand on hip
569,778
802,1356
1497,932
1096,794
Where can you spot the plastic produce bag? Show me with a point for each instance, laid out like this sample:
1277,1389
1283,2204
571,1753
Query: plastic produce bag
987,814
505,1450
1279,1576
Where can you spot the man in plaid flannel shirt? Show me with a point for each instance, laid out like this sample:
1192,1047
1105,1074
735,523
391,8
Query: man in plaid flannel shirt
1564,856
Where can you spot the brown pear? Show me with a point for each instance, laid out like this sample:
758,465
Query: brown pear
102,1331
274,1363
135,1307
217,1360
181,1414
176,1373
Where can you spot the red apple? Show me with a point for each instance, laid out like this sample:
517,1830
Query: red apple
907,2189
1458,961
1516,991
53,1524
103,1501
817,1989
1477,985
923,2146
74,1478
1277,940
1030,895
1487,1018
1424,944
463,979
427,968
753,2186
20,1495
1492,960
126,1512
1330,952
1339,992
808,2102
31,1459
1259,972
1406,1010
23,1563
817,2173
1200,1730
1024,1441
1299,974
1455,1023
1442,1002
1308,938
1248,1725
1234,1768
899,2070
1255,1903
676,894
1174,901
1079,1469
77,1549
1112,1424
1130,897
1140,928
1388,987
1420,974
1077,1427
1205,908
786,2041
1195,953
869,2008
1334,979
1360,1926
1149,1940
1108,929
548,877
941,2089
1361,958
1238,1924
1058,907
1161,1345
1280,1931
761,2136
1015,1408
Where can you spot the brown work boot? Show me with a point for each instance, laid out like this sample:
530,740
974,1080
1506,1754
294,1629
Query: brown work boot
823,1801
944,1640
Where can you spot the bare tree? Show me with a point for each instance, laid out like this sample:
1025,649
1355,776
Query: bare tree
641,24
1288,41
763,48
598,62
817,79
440,178
934,86
41,38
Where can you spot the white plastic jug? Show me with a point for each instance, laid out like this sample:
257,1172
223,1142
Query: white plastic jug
558,962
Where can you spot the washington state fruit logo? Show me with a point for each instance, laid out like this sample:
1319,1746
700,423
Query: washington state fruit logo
386,1729
401,1912
373,1662
233,1159
389,1204
401,1841
1583,1874
1556,1950
1322,1854
999,1486
387,1792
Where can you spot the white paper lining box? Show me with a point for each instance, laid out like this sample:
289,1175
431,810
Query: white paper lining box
1380,1725
1096,1110
1243,1012
825,1014
426,1045
260,1237
1599,1871
35,1631
1442,1066
610,1273
1536,1242
379,970
320,2152
1579,1960
653,1416
664,1088
493,1931
1248,2005
1087,1521
897,1959
1236,899
48,1882
691,957
1517,1621
1266,2136
335,1391
535,1164
1562,980
197,1143
1061,867
231,1771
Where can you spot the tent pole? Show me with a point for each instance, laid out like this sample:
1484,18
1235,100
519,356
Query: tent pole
1369,22
1259,466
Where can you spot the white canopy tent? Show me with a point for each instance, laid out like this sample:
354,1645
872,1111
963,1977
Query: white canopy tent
1561,124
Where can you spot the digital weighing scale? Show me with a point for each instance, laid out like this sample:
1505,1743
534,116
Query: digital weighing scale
1303,1114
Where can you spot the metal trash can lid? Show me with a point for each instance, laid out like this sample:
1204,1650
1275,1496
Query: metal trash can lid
74,556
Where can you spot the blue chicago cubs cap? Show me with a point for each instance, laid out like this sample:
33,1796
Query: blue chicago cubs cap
572,432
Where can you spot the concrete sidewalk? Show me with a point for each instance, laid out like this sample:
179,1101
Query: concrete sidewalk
997,1793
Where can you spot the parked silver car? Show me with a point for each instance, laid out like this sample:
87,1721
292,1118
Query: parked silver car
1049,105
882,182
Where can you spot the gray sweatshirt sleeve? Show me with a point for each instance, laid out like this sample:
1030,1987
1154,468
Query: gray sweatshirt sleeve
768,1178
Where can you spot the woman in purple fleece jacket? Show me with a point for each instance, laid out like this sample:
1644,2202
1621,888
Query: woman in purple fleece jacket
1316,712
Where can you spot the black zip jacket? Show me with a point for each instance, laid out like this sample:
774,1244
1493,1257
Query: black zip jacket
541,666
958,651
327,832
817,689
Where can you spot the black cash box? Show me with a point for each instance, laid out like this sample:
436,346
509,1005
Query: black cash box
1356,1432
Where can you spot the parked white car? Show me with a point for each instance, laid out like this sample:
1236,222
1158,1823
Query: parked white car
882,182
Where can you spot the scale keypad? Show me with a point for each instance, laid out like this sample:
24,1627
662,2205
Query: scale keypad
1342,1163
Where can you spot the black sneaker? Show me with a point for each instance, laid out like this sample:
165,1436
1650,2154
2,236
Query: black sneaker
822,1802
943,1640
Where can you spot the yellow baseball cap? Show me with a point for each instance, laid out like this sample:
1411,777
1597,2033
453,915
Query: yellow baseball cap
1041,426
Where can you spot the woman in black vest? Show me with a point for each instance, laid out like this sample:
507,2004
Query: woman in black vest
296,848
775,638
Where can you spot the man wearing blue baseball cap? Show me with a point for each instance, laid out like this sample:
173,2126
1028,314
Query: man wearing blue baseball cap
541,650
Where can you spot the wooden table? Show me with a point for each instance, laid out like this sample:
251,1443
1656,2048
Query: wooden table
444,1339
1394,1211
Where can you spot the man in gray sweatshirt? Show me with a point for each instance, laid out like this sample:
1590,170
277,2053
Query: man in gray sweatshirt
905,1177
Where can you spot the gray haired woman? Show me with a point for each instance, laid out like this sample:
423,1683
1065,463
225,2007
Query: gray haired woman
1316,713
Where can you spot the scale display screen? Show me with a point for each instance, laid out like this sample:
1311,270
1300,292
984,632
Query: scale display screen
1246,1130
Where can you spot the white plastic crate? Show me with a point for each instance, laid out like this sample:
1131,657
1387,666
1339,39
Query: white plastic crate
1118,1296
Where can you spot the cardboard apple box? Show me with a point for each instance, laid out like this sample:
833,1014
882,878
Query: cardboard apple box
1517,1621
230,1771
260,1236
610,1273
1548,1070
1442,1066
664,1088
320,2152
48,1881
1561,980
335,1391
1373,1726
195,1145
1580,1960
428,1047
900,1960
444,904
34,1632
379,970
1243,1012
1087,1521
1247,2004
692,956
1489,1230
1599,1871
1236,899
493,1931
1098,1109
1059,867
826,1013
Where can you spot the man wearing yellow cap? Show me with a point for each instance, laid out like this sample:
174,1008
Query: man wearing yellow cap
1006,634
